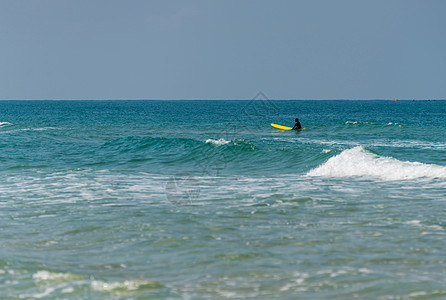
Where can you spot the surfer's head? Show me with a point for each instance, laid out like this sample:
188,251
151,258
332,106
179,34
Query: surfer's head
297,120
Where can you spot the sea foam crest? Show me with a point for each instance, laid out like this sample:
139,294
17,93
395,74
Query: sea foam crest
218,142
5,123
362,163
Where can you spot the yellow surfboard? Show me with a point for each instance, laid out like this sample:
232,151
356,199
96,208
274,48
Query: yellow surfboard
281,127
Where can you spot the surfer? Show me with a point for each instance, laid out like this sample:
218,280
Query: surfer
297,125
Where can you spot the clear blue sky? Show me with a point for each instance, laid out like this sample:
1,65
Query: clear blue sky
227,49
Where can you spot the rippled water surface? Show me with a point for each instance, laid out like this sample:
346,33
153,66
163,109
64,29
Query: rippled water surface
204,199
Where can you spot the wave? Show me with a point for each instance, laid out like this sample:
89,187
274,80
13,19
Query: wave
416,144
412,144
360,162
360,123
7,131
138,143
184,145
208,155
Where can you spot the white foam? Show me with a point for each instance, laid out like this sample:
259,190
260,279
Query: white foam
27,129
46,275
358,162
218,142
412,144
5,123
125,286
373,123
376,143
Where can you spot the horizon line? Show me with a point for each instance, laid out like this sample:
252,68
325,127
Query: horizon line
247,99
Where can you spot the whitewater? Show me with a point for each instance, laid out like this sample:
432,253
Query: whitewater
358,162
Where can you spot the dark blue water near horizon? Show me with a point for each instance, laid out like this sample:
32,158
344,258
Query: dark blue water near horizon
204,199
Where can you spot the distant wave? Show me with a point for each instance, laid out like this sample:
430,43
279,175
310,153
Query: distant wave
412,144
418,144
25,129
360,123
5,124
359,162
37,129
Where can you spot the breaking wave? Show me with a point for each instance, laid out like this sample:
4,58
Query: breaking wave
360,162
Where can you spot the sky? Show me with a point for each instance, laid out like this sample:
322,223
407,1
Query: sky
222,49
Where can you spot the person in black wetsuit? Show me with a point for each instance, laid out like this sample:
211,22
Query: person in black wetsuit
297,125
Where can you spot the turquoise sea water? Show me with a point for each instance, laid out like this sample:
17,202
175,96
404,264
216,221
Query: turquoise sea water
205,200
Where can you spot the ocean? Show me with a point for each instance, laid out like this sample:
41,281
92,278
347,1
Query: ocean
205,200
